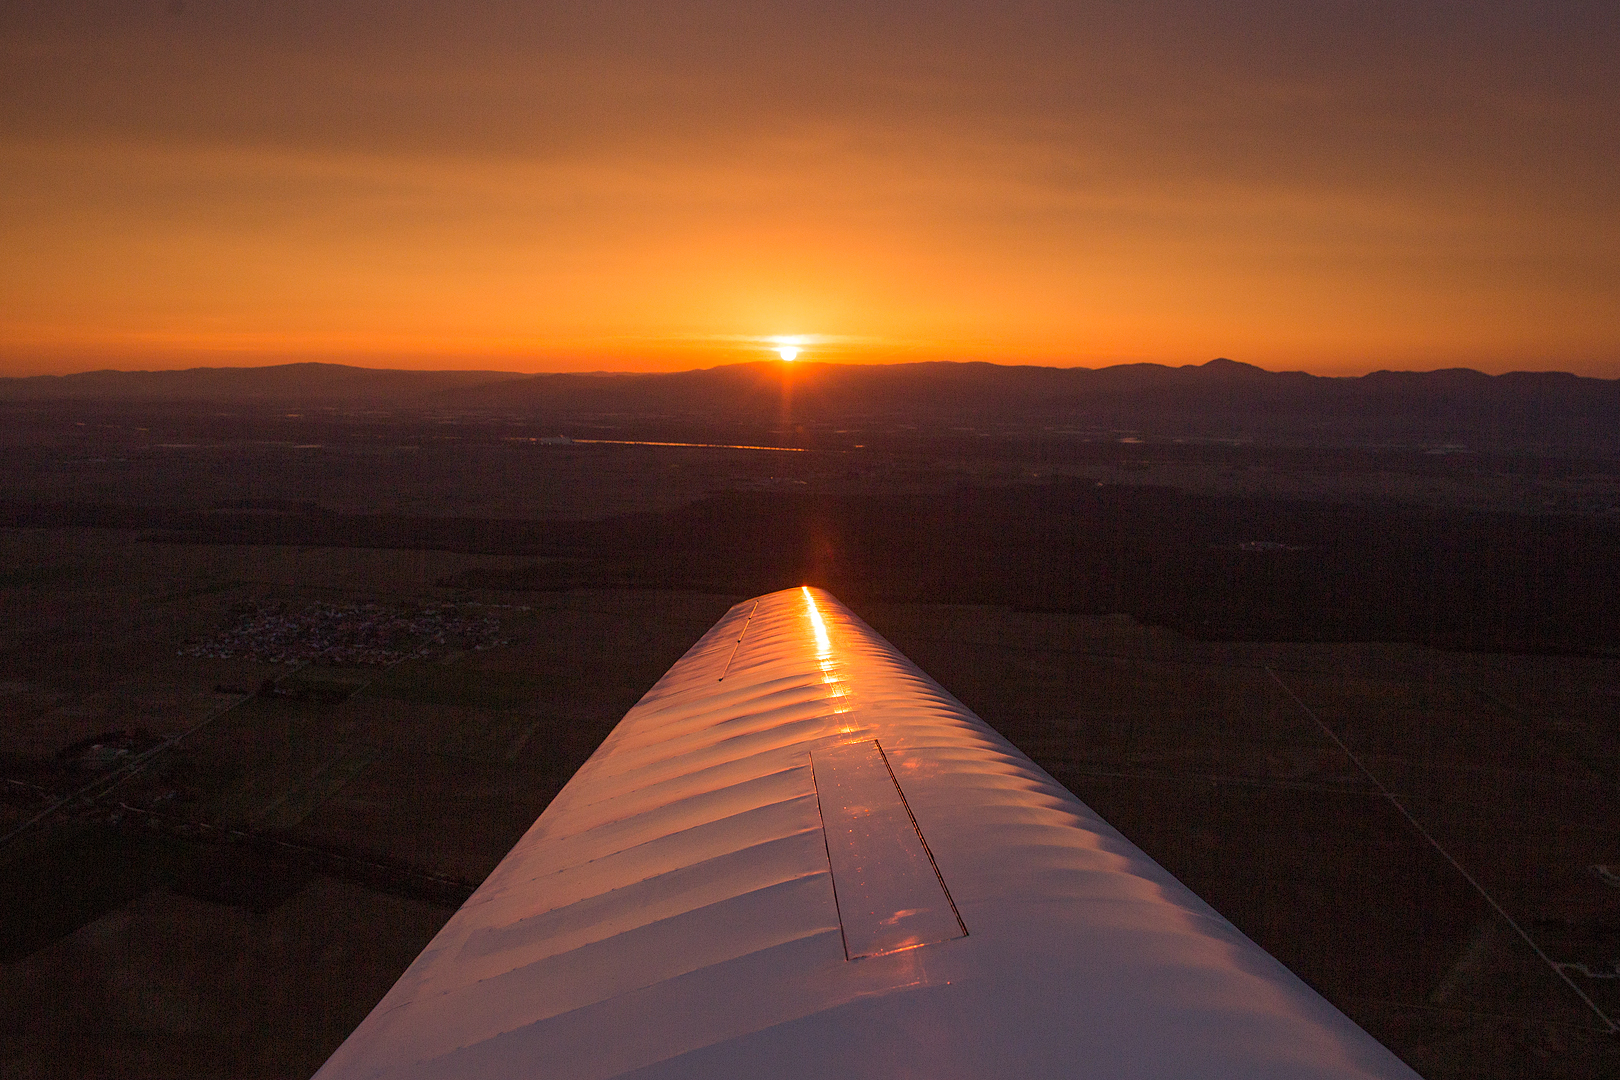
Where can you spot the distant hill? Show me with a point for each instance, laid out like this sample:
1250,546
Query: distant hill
1220,399
278,384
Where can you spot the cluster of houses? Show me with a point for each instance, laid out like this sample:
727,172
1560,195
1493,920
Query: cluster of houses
335,633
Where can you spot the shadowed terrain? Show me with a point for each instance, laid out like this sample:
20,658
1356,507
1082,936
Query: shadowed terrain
279,690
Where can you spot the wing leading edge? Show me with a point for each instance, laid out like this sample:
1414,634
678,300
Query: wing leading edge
798,856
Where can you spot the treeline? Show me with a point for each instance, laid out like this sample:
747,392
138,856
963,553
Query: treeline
1213,567
1230,568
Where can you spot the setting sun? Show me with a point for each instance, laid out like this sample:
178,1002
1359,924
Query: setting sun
788,348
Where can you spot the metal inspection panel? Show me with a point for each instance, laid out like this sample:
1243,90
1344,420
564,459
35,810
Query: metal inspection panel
890,895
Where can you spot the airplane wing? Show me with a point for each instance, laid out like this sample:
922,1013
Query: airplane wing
799,856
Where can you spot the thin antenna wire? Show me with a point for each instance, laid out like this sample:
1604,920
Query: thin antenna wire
1557,969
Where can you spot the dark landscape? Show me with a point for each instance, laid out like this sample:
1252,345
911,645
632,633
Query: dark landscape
290,657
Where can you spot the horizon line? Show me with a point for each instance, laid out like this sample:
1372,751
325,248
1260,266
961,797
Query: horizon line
799,363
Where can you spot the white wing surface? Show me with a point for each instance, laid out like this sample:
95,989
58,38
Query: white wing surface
798,856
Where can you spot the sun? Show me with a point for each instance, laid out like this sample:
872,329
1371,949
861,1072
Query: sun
788,348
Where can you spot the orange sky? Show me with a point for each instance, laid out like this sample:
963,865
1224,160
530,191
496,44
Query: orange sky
1337,187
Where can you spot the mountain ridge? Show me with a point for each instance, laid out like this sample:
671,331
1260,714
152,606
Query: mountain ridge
323,376
1219,399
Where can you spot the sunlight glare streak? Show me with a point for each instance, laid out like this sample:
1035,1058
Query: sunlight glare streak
823,642
839,699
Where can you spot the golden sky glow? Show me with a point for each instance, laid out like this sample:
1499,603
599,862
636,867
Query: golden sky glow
1333,187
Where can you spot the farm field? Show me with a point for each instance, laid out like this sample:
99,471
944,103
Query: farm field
1403,826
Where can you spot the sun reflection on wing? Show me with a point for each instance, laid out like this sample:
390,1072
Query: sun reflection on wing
817,624
839,692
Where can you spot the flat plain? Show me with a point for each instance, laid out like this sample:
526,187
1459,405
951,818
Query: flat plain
219,864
